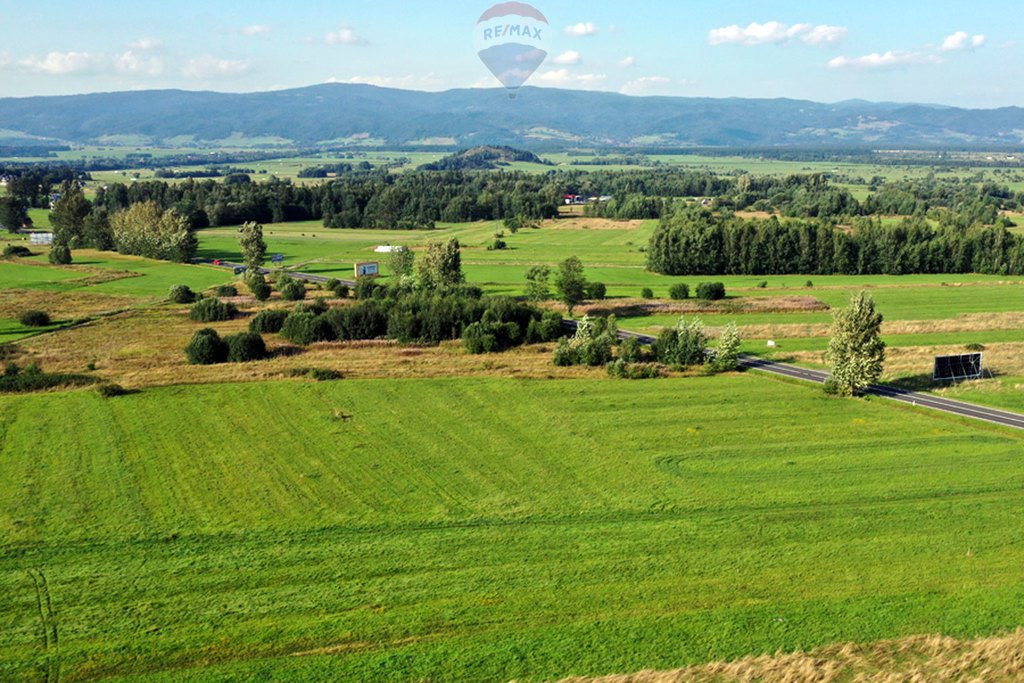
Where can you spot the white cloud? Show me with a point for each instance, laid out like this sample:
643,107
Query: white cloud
428,81
883,60
774,32
645,85
208,66
62,63
256,30
345,35
568,58
134,64
962,41
584,28
146,44
627,62
5,60
563,78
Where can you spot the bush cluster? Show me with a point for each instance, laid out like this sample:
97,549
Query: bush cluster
227,291
258,286
487,324
711,291
245,347
682,346
622,369
597,291
212,310
60,255
268,322
293,290
591,345
338,288
16,251
208,348
679,291
34,318
182,294
32,378
647,293
112,390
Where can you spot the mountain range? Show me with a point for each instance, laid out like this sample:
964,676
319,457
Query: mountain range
332,115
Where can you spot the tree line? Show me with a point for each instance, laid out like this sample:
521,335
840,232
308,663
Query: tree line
700,242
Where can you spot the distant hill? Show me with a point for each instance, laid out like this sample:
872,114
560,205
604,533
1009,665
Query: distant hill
539,118
485,158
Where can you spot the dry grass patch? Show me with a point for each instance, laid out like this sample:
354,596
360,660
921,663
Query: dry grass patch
641,307
60,305
973,322
581,223
1003,359
145,348
917,659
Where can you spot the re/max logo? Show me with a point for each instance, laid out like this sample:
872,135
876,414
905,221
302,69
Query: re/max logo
509,30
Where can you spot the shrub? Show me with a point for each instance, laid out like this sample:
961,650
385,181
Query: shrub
479,338
597,291
622,369
16,251
832,387
975,347
206,348
324,375
318,306
679,291
631,350
293,290
682,346
212,310
227,291
591,345
762,285
182,294
305,327
245,347
368,320
367,288
711,291
32,378
338,288
34,318
547,329
60,255
809,284
258,286
268,322
647,293
497,245
111,390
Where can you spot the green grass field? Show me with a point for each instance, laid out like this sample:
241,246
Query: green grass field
144,278
485,530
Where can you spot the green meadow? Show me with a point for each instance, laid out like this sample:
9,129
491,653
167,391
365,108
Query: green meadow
488,530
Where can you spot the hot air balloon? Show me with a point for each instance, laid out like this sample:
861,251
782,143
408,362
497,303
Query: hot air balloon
513,39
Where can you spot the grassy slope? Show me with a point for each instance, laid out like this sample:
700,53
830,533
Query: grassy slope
492,529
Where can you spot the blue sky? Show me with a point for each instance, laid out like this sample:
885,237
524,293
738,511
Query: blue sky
943,51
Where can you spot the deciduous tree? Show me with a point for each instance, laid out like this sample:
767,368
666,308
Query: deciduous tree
856,353
570,283
254,249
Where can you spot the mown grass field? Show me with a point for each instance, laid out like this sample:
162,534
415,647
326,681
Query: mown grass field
485,530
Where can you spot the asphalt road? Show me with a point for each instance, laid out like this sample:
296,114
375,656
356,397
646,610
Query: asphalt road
971,411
